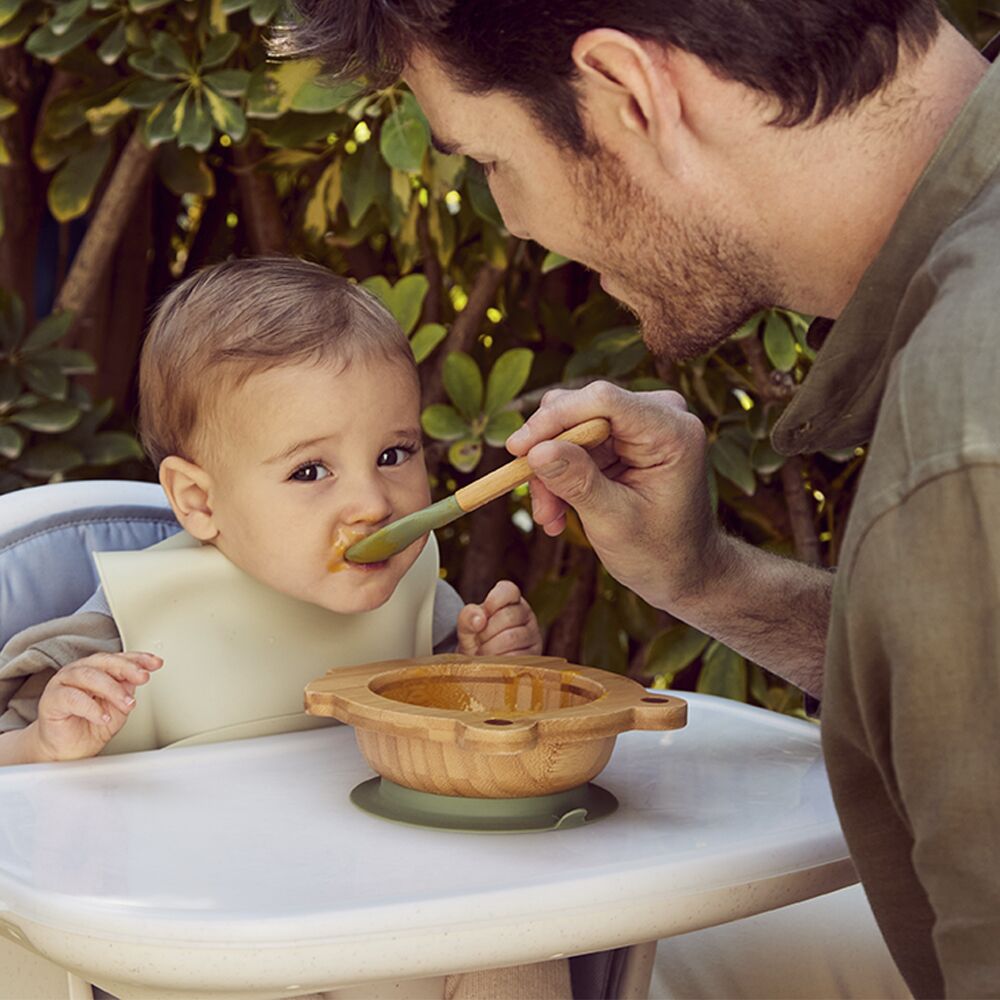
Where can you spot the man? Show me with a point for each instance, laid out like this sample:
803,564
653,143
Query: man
838,157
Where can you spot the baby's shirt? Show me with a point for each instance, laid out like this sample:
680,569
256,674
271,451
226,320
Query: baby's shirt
30,659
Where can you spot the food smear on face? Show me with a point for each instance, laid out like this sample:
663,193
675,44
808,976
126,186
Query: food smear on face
343,538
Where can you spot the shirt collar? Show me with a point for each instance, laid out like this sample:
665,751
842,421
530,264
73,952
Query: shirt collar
837,405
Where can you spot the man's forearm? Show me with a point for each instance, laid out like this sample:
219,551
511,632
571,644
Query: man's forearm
774,611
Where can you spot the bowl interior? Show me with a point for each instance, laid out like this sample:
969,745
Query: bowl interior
508,691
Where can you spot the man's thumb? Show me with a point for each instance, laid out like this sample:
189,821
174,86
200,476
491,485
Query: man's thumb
569,472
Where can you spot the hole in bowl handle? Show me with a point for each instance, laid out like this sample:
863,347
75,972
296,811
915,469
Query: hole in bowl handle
659,711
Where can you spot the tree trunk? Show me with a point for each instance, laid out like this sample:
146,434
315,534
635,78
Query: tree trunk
264,223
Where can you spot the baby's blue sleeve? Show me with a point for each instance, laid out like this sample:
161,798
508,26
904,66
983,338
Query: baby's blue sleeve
447,605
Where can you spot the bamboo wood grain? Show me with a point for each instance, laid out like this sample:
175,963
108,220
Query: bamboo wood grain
495,484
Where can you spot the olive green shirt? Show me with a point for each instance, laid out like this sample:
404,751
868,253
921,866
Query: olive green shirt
911,700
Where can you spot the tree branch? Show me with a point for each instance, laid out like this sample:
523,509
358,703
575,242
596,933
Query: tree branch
265,225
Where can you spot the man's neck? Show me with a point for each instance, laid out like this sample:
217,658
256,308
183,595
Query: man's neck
850,176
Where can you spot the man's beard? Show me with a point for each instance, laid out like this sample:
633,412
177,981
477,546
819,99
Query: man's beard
690,283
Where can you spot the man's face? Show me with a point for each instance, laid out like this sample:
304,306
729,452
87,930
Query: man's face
306,457
689,277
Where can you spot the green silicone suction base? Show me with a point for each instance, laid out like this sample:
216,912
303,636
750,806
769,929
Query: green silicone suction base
560,811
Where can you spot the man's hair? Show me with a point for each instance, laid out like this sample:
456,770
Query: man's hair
229,321
813,57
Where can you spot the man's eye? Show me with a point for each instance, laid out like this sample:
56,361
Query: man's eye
310,473
394,456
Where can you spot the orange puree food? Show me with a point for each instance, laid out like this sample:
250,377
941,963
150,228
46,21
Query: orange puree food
343,539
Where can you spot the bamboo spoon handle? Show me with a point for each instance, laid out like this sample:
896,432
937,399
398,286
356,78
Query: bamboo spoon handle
495,484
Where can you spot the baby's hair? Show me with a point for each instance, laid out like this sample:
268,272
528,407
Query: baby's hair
229,321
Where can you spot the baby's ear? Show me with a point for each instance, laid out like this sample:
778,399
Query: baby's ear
188,489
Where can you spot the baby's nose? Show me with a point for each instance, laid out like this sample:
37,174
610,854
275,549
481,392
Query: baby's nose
368,504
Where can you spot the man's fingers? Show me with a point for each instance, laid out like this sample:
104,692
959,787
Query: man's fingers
546,508
570,474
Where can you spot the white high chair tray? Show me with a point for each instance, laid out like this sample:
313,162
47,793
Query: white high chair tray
243,868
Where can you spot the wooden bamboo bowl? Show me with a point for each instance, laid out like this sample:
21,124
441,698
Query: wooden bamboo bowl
505,727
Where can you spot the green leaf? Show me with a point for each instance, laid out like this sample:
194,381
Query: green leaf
68,360
733,462
105,117
155,66
507,378
723,673
219,49
185,171
553,261
143,6
66,13
765,459
318,98
14,30
480,197
47,418
10,385
749,328
48,332
359,182
549,598
443,423
779,343
273,87
46,45
72,189
405,136
465,455
604,643
426,339
9,9
672,650
463,381
196,125
229,82
7,108
406,300
262,11
164,121
11,320
50,458
144,93
45,379
110,448
500,427
11,441
167,47
111,49
227,115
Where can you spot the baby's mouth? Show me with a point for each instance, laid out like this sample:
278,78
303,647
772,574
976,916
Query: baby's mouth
343,538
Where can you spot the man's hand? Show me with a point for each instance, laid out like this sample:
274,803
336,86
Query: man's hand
87,702
503,625
642,496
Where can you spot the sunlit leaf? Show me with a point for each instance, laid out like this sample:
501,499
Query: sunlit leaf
406,298
104,118
507,378
552,261
11,441
165,119
14,30
273,87
443,423
196,125
72,189
315,97
500,427
9,9
779,343
143,6
426,339
227,115
463,381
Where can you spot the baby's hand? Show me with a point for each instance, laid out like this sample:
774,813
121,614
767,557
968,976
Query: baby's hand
87,702
503,625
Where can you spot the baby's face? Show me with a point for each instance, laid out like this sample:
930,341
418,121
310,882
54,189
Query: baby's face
305,455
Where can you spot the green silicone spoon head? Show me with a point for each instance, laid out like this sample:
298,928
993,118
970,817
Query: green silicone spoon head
395,537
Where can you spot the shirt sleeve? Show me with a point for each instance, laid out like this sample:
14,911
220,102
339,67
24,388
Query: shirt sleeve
924,631
447,605
29,659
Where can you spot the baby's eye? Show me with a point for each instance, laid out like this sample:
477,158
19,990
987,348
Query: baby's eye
394,456
310,473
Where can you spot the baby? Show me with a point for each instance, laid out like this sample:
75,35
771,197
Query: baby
281,405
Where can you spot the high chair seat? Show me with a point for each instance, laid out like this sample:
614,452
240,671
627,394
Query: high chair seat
47,534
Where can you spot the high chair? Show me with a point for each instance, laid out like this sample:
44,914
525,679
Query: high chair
46,571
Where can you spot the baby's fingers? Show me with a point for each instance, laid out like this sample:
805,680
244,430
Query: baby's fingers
502,595
99,682
471,620
68,701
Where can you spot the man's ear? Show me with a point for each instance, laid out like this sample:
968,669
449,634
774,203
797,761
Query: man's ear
188,488
629,80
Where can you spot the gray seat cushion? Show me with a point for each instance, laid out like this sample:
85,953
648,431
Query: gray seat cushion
47,534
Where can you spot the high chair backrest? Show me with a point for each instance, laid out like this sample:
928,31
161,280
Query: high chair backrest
47,534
